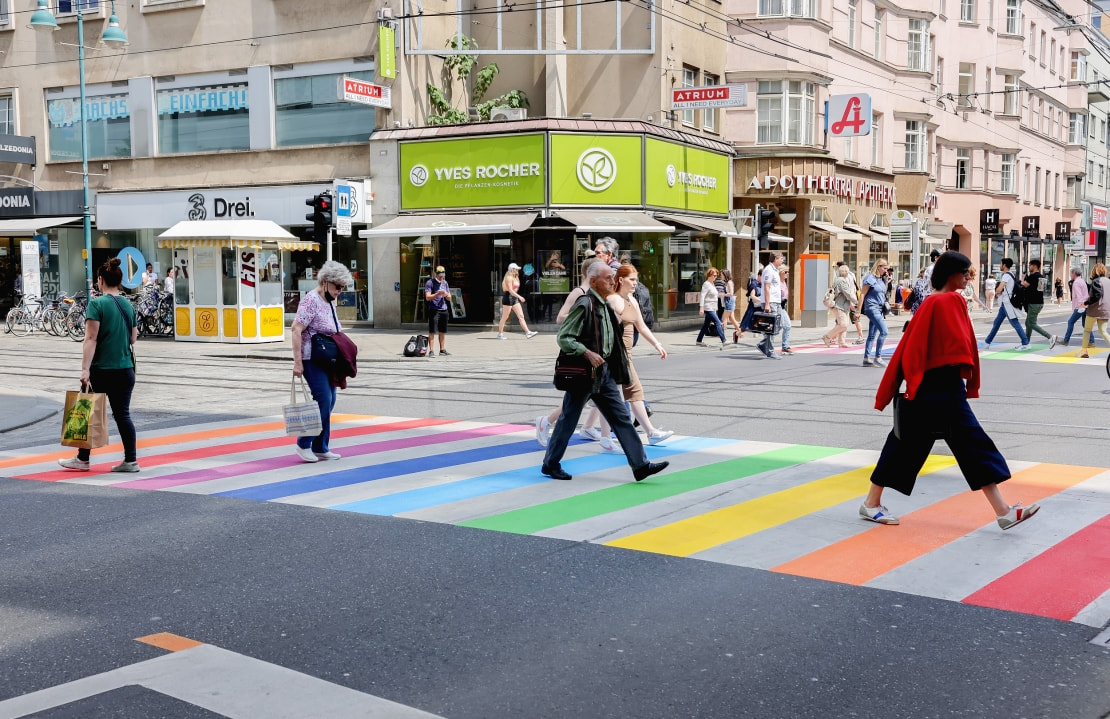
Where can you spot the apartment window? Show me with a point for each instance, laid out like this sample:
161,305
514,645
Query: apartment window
203,119
1076,129
795,125
1025,184
1102,130
1091,128
5,16
938,76
709,114
916,140
1013,17
7,115
310,111
849,150
69,7
852,24
1090,172
108,124
1050,58
1032,41
1078,67
963,168
1037,186
1044,41
689,79
1062,62
1056,190
795,8
1073,191
967,10
1101,174
967,83
878,34
876,142
1007,183
1013,95
918,45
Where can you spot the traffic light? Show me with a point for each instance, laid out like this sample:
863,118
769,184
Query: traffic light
321,215
765,222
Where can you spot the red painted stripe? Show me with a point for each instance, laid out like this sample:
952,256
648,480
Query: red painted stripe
151,461
1059,582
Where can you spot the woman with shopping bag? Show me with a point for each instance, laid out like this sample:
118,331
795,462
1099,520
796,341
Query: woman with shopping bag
315,353
108,365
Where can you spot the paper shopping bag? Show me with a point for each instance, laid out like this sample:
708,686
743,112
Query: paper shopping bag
302,419
85,419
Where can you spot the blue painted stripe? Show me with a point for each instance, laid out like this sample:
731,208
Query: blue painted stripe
343,478
440,494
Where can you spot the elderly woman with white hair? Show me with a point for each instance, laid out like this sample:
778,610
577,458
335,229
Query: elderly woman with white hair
316,316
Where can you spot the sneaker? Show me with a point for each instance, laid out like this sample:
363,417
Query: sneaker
327,455
859,341
1052,342
530,335
879,514
444,353
1017,515
787,351
431,353
306,454
591,433
543,424
660,435
701,344
723,345
867,362
878,361
1023,348
75,464
126,467
500,335
986,345
610,445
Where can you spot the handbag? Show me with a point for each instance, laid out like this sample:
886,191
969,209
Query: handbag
765,322
85,419
302,419
325,352
574,373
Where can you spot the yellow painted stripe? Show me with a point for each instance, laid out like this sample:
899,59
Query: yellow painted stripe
1072,356
169,642
712,529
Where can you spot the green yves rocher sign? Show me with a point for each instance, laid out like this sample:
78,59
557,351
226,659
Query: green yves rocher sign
686,178
473,172
596,170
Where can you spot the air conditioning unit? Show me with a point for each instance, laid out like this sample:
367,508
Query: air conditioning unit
507,113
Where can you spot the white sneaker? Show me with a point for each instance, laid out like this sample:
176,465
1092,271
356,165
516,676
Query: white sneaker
610,445
880,514
1023,348
1017,515
327,455
660,435
530,335
1052,342
74,464
590,433
306,454
701,344
543,425
500,335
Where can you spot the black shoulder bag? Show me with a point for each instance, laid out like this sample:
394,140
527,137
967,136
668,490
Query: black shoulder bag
325,353
574,373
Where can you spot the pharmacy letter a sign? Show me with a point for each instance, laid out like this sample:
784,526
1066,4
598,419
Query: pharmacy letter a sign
848,115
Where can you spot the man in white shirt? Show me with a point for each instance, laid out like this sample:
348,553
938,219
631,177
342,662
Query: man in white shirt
1005,290
150,277
928,276
772,300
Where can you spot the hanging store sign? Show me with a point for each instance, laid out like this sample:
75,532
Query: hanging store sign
1063,232
365,93
848,115
17,149
877,192
988,221
1098,217
387,51
689,98
1031,226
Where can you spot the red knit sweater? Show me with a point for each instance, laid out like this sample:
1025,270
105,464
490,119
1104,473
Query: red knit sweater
939,335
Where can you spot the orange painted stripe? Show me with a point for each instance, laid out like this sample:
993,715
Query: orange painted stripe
859,559
168,439
169,642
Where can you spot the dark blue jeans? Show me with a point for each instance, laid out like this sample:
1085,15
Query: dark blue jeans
610,402
324,394
876,327
711,320
1077,316
118,385
1013,323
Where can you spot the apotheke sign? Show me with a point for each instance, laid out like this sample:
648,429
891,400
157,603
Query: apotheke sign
827,184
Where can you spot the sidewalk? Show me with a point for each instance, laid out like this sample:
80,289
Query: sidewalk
22,408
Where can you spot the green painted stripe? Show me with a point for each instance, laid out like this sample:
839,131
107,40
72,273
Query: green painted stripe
530,520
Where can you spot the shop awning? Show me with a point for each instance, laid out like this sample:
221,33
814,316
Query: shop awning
834,230
880,230
865,232
32,225
721,227
456,224
602,221
746,234
940,230
231,233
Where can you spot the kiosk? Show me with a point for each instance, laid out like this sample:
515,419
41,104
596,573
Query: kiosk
228,286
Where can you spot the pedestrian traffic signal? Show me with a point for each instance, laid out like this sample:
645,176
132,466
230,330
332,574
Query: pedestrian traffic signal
765,222
321,215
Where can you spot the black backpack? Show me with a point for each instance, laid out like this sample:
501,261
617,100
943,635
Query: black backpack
417,346
1016,298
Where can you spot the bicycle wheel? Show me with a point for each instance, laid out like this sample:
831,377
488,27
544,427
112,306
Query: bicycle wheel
20,322
58,323
75,326
48,321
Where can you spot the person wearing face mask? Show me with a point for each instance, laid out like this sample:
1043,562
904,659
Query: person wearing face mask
316,315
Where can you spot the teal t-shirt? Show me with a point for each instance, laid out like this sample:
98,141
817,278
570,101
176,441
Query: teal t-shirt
113,342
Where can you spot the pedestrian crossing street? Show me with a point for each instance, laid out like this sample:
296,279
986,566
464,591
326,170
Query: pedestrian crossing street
1039,352
786,508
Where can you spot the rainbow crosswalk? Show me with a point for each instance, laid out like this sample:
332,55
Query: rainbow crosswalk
1039,352
785,508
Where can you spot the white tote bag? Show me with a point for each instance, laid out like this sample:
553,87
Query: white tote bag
302,419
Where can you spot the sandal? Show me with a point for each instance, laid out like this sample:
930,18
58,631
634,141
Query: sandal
1085,356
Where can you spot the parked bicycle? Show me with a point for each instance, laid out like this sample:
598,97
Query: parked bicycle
154,312
26,317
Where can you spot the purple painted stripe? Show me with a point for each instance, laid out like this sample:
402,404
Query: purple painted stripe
289,460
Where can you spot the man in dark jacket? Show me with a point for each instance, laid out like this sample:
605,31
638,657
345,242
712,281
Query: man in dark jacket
592,330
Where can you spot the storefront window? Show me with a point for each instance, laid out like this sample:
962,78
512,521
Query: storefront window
820,242
203,119
108,124
310,111
851,253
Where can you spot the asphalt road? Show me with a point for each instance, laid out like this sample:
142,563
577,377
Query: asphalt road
470,623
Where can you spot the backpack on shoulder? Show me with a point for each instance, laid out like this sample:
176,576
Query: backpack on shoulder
1017,298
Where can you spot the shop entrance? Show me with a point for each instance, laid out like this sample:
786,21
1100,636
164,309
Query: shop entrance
9,271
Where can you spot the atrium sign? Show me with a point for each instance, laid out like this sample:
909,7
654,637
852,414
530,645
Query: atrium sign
691,98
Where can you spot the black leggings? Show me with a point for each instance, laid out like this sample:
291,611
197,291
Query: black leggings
117,384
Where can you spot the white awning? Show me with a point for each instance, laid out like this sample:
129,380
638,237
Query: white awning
226,229
746,234
834,230
32,225
940,230
880,230
721,227
864,231
456,224
613,221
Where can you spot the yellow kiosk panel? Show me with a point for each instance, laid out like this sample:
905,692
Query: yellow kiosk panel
231,323
250,322
181,321
207,322
273,321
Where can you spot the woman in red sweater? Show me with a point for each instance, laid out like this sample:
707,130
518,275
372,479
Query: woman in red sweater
938,358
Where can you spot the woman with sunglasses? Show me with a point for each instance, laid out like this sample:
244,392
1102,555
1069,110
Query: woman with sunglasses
316,315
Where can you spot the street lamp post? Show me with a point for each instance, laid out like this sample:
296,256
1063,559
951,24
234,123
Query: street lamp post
43,19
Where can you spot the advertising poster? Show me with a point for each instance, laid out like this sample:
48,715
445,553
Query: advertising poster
554,275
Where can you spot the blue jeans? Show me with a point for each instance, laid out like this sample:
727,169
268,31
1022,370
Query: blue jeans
711,319
324,394
1013,323
1077,316
785,321
610,402
877,327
